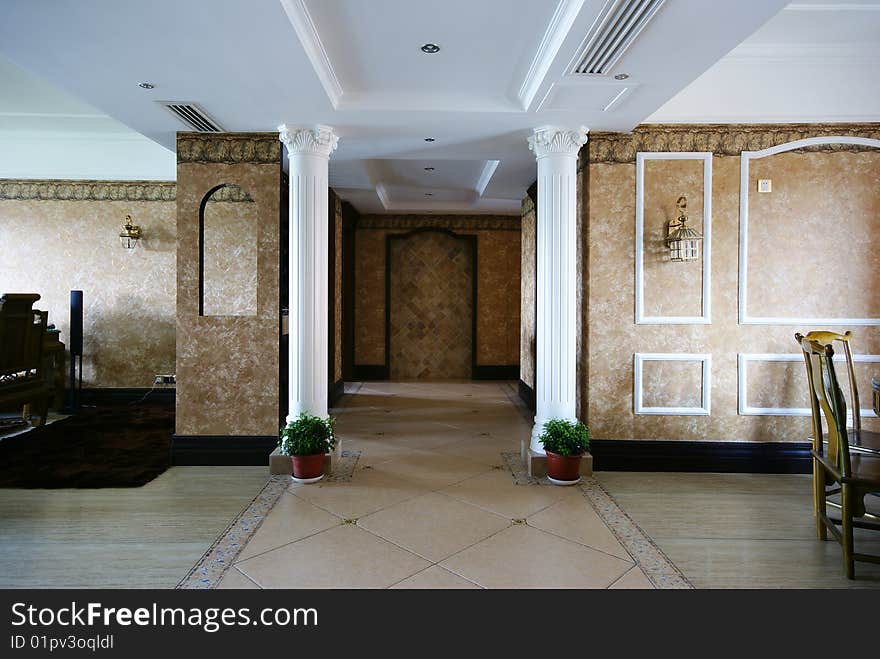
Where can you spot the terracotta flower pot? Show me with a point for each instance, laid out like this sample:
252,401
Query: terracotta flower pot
564,469
308,468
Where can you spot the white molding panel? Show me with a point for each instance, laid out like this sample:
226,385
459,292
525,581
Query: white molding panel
743,407
706,387
747,156
706,317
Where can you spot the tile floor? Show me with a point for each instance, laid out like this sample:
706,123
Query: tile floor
431,505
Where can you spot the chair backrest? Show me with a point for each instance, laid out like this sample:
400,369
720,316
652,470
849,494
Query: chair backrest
824,337
21,334
827,402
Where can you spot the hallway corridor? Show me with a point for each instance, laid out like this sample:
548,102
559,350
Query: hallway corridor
428,494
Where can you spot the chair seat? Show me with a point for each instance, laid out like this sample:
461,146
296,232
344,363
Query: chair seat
864,469
863,441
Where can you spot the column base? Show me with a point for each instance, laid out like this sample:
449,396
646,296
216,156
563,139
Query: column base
536,463
279,465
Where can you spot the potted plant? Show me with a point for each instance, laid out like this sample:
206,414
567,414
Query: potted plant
307,439
565,443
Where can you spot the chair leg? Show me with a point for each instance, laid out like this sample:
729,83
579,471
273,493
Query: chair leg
846,518
819,506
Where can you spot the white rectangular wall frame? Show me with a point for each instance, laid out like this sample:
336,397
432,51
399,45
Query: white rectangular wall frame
747,157
705,390
743,407
706,317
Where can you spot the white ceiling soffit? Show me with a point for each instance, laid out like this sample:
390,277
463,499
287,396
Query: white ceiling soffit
810,63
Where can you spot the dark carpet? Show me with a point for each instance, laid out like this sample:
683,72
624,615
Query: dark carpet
110,445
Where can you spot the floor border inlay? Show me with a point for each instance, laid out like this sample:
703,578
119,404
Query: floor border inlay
216,562
655,564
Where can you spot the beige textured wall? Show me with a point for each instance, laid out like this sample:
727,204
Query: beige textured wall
227,366
835,196
336,228
498,282
845,180
230,253
671,291
52,246
528,302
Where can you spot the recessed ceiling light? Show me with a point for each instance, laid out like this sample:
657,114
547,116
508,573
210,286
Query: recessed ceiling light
430,139
621,76
430,48
429,169
146,85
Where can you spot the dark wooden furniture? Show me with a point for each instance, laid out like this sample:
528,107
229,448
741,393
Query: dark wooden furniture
837,469
53,366
22,377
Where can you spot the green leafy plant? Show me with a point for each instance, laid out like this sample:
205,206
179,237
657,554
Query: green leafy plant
307,435
565,437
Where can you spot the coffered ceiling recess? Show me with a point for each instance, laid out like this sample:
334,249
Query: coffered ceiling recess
503,67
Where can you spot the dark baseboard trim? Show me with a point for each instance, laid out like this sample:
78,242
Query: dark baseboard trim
250,450
125,394
365,372
496,372
336,391
527,395
722,457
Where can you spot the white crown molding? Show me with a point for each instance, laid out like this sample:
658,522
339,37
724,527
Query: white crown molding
485,176
706,317
743,407
705,388
558,29
302,22
553,140
312,140
746,157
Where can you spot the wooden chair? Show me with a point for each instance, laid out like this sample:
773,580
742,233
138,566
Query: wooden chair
859,440
22,381
849,473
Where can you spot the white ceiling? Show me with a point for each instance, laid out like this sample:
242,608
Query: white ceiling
813,62
503,69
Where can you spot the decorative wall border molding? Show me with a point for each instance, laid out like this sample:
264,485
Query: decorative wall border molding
743,407
76,190
705,318
720,139
705,389
747,157
229,148
465,222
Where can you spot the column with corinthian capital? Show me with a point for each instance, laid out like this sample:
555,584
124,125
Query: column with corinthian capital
556,150
309,149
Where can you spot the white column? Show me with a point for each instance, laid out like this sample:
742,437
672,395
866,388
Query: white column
309,149
556,150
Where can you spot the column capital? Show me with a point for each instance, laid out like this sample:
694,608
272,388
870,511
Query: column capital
549,140
316,140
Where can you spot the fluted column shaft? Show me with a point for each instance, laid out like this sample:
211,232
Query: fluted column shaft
556,151
309,151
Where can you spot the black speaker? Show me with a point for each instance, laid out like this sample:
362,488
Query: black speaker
76,323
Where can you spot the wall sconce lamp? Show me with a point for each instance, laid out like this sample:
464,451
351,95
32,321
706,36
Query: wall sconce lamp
131,233
682,241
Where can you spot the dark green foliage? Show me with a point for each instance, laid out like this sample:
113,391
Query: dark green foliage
565,437
307,435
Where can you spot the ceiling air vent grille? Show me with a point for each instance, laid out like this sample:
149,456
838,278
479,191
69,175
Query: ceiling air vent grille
193,116
617,29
